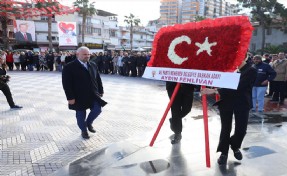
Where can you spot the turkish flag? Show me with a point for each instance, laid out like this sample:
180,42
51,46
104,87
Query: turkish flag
212,44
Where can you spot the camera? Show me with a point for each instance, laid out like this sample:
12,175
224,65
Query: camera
5,78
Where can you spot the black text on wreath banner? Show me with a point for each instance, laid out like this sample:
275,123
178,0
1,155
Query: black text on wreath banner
191,77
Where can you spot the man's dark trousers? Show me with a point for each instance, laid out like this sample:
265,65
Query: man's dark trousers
241,121
81,116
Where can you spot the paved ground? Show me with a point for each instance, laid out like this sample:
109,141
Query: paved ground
43,137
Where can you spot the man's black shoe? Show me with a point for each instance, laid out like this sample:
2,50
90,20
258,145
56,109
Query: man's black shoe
281,102
91,129
16,107
222,159
85,135
176,139
237,154
274,101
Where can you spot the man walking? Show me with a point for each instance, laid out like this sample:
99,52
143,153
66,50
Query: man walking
83,88
180,108
265,74
4,86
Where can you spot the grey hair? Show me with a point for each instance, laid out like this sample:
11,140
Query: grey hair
82,48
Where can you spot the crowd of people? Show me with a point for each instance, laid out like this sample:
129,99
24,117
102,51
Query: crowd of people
271,81
112,62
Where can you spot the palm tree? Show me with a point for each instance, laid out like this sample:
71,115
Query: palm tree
49,5
132,21
86,9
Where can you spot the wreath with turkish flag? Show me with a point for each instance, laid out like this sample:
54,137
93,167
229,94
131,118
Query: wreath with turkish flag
212,44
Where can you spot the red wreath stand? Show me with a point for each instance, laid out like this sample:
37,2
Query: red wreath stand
210,45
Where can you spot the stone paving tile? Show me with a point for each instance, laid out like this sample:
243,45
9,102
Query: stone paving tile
43,136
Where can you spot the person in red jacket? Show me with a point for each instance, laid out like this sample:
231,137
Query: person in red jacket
10,60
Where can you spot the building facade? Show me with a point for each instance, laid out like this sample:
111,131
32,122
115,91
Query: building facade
183,11
274,36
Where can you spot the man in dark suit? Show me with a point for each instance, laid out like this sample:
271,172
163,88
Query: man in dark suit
238,103
83,88
23,35
180,108
4,86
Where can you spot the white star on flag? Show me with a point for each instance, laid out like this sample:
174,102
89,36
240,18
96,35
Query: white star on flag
205,46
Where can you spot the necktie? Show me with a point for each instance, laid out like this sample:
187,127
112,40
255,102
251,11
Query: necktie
25,37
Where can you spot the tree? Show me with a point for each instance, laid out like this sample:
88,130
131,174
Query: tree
56,8
132,21
199,18
282,11
274,49
12,9
7,10
261,11
86,9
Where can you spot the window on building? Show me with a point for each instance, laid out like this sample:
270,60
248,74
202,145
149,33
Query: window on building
113,33
97,31
10,22
253,47
89,20
255,32
95,21
284,45
89,30
53,38
269,31
44,18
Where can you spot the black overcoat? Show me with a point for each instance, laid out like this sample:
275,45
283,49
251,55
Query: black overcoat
240,99
77,83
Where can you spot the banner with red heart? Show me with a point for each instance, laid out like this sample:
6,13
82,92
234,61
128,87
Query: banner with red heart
65,27
212,44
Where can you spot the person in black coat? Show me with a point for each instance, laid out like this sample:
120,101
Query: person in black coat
83,88
4,86
180,108
238,103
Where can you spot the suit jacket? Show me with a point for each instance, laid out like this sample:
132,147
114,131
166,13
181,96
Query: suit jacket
82,85
19,37
240,99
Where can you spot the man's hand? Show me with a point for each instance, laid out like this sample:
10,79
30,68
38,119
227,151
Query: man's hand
71,102
264,83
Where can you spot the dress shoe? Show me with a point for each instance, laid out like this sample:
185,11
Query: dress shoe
274,101
237,154
16,107
176,139
91,129
222,159
281,102
85,135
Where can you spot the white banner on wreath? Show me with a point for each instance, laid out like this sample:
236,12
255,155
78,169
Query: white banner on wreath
197,77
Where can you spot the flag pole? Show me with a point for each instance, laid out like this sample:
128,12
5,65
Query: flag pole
165,114
206,134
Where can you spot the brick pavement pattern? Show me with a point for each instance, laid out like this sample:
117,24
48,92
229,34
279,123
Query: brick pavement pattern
43,136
